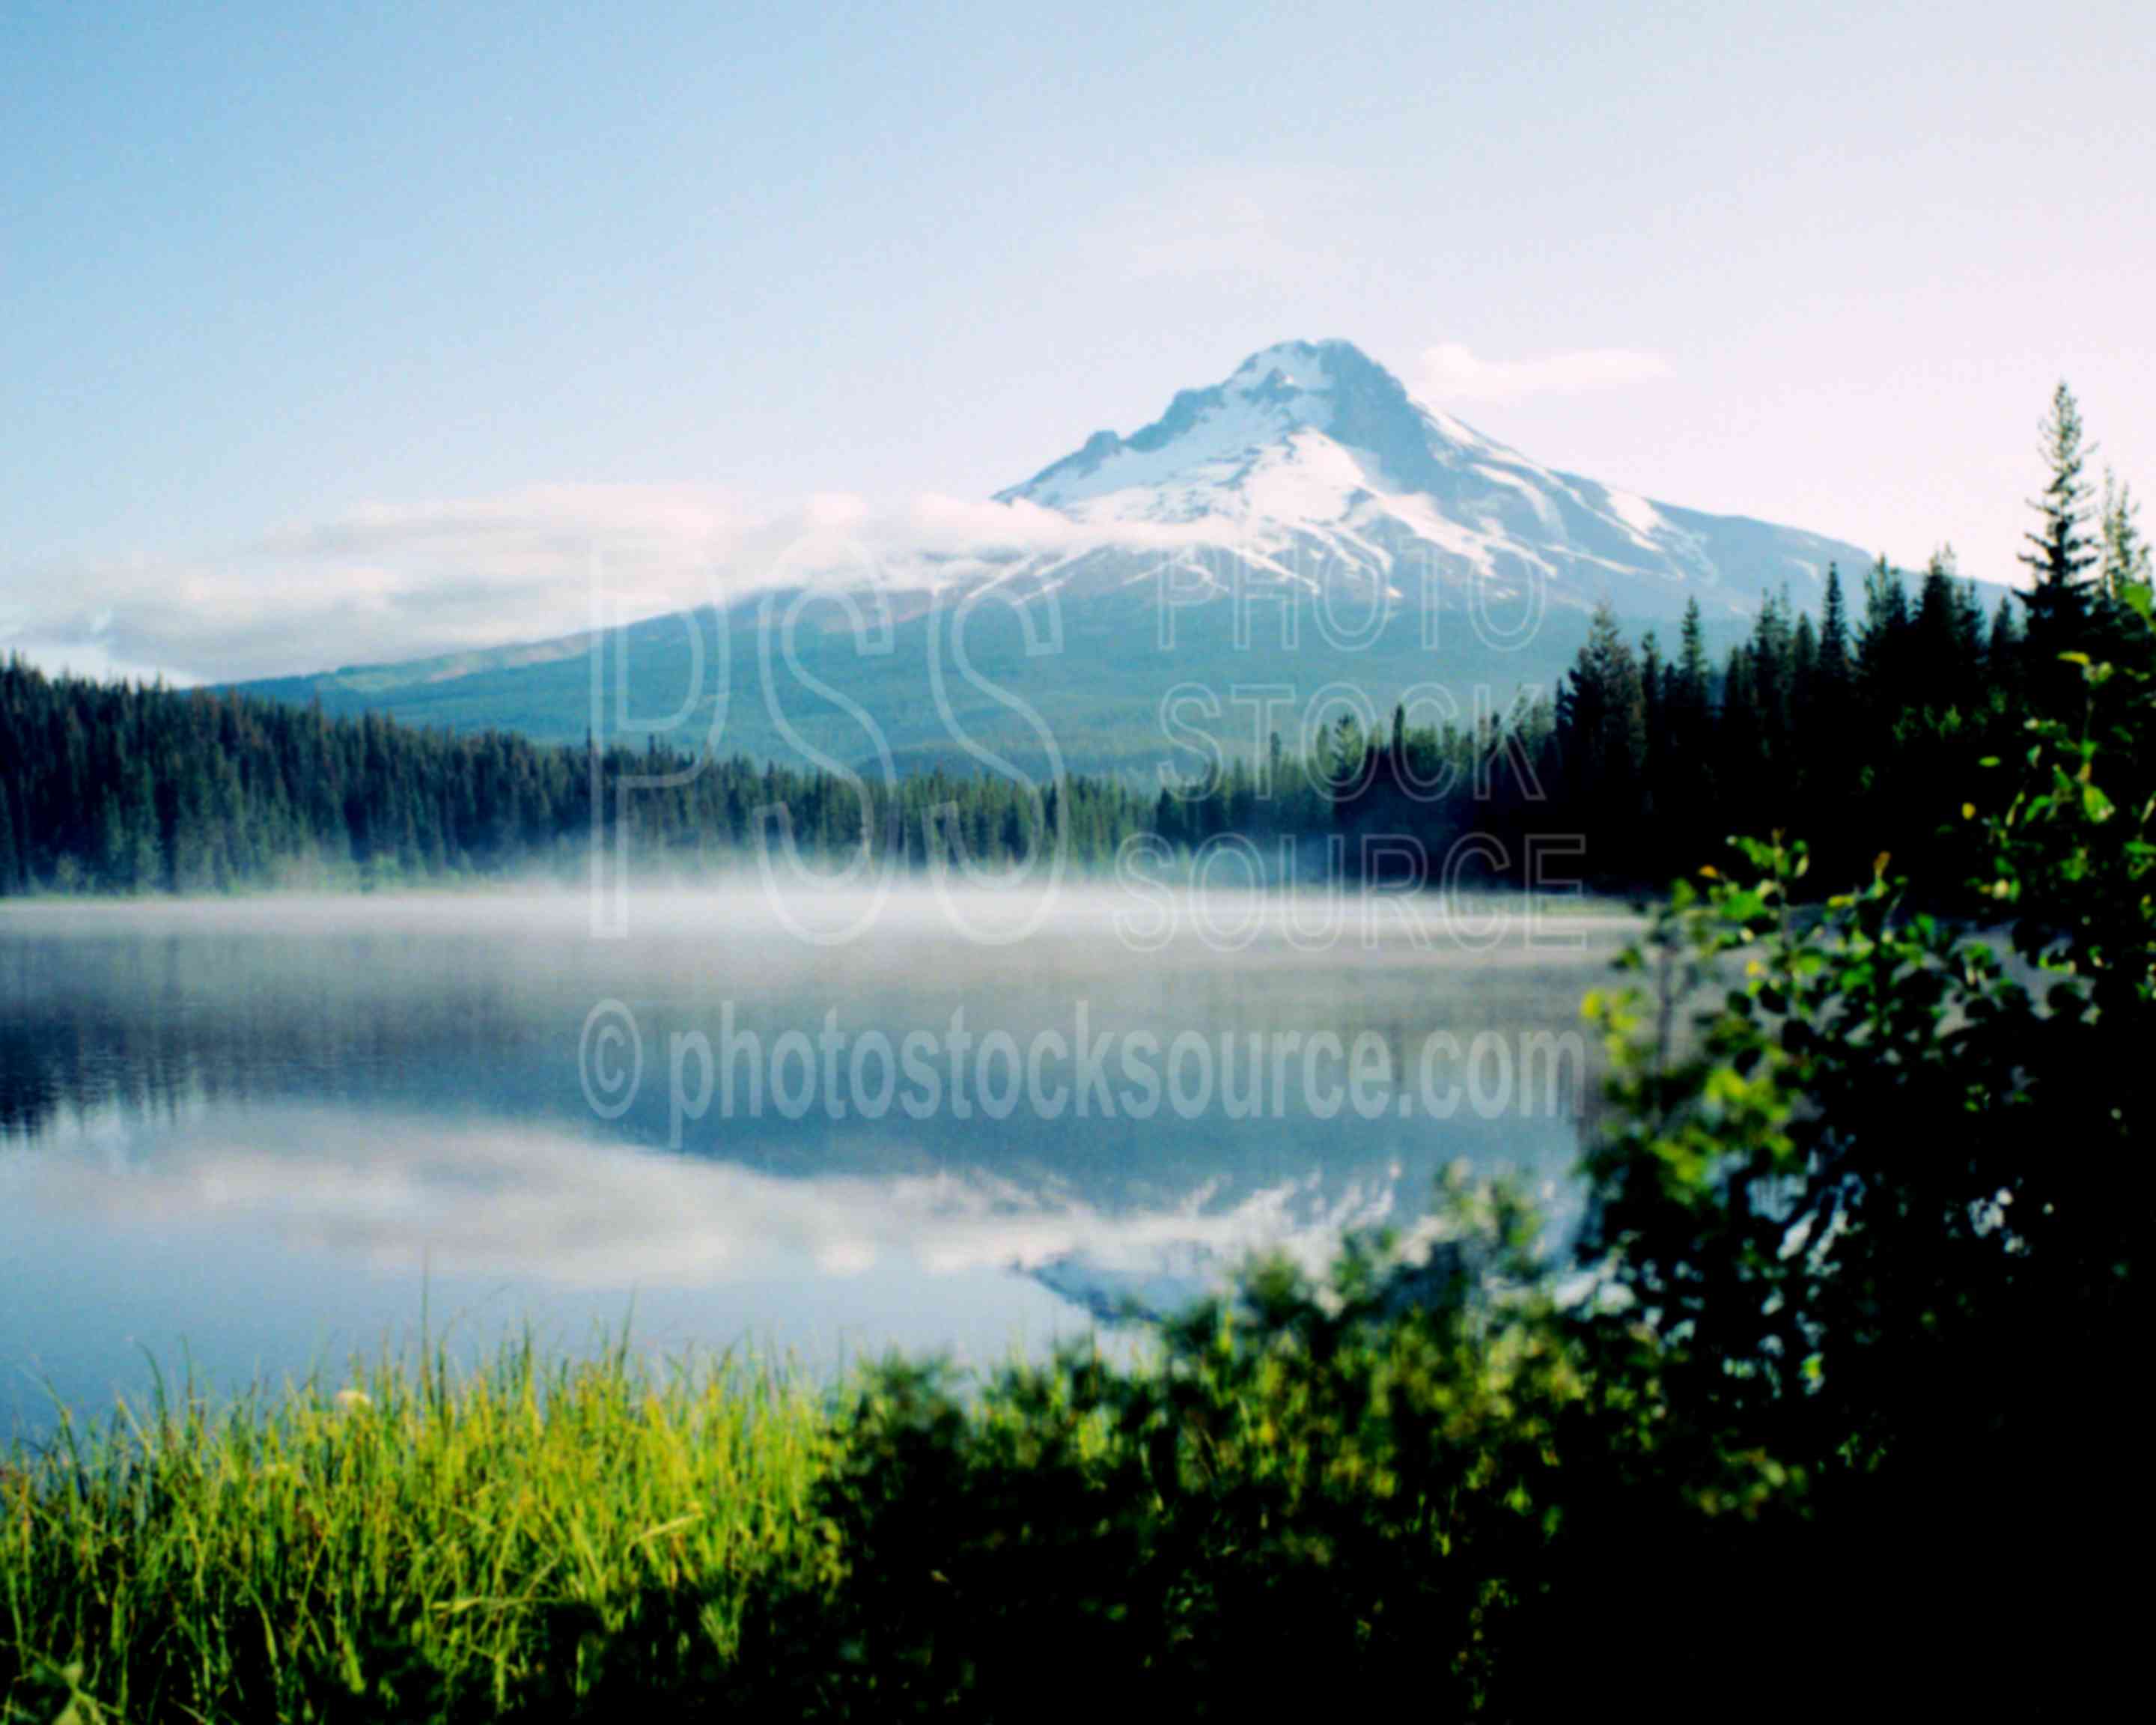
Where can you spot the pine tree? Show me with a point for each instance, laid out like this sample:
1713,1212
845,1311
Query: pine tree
1654,684
1684,743
1879,647
2059,552
1834,635
1936,636
1969,649
1804,670
1690,669
1825,730
1771,670
2123,554
1602,724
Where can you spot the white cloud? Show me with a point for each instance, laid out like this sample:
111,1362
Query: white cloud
1452,373
384,581
84,654
396,582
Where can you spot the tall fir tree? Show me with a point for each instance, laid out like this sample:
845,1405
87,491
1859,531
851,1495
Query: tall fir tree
1834,635
1684,746
1826,733
1969,647
1883,638
1804,670
2061,553
1692,687
1932,635
2123,556
1602,727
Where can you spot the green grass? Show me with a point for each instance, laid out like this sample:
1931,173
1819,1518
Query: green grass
545,1536
417,1540
1340,1472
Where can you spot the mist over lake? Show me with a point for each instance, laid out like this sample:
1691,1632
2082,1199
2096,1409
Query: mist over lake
247,1136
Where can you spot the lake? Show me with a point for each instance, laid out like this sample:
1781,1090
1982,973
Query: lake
246,1137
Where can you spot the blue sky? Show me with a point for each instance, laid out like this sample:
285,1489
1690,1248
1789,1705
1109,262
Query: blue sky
290,297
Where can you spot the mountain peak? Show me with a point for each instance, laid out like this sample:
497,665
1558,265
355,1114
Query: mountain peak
1311,455
1216,438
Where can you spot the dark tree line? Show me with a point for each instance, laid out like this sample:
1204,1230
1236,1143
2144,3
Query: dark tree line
1865,728
1361,791
116,789
1854,728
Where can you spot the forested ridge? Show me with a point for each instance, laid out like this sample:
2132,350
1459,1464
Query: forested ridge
110,787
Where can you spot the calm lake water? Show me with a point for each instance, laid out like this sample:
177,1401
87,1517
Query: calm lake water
249,1137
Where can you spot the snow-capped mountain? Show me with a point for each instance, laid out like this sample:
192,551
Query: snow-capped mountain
1313,461
1310,468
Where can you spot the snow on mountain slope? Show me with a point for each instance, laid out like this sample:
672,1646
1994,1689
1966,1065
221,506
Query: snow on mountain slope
1310,465
1313,461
